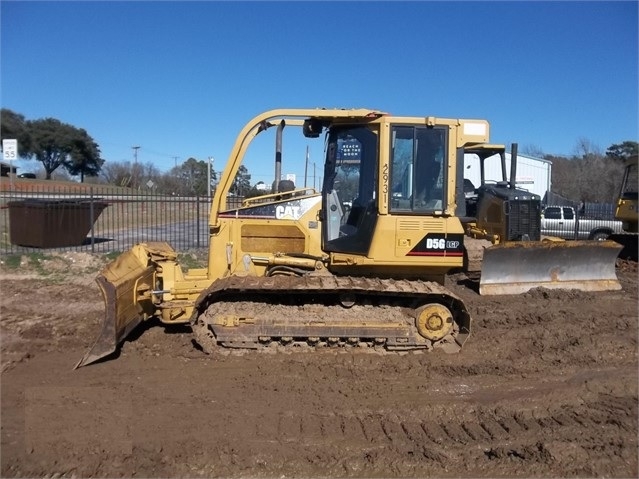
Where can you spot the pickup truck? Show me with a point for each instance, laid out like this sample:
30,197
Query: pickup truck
564,222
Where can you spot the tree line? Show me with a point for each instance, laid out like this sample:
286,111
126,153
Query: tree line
190,178
589,175
53,143
66,151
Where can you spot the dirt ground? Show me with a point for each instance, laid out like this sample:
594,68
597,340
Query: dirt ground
546,386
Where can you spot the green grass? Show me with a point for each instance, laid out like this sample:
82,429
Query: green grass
37,262
12,261
28,260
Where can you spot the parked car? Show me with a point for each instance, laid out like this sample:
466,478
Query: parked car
31,176
564,222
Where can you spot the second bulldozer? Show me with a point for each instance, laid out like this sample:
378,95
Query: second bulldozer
627,210
361,262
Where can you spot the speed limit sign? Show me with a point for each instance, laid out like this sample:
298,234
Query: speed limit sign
10,149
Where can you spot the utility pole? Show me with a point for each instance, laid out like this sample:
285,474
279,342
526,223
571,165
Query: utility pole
175,158
306,167
135,153
208,183
134,169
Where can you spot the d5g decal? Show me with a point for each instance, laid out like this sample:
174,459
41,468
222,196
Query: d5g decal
439,244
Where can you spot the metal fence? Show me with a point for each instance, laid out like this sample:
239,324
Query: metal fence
99,220
102,219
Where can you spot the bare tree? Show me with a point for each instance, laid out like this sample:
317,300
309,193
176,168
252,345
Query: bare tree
586,149
588,176
117,173
533,151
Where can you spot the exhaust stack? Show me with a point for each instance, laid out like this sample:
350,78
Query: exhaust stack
278,156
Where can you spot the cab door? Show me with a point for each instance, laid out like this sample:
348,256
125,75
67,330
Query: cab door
349,198
552,221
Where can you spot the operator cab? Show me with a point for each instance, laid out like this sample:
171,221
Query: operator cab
415,184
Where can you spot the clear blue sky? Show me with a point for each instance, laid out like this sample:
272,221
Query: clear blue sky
182,78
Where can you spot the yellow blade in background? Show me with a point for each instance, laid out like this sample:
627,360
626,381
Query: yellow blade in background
514,268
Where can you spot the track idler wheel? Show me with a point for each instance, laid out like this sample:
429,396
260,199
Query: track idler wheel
434,321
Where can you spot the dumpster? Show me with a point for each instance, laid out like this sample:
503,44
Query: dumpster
44,223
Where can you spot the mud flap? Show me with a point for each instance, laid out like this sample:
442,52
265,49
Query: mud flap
514,268
126,286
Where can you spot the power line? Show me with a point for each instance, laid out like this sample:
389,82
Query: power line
157,153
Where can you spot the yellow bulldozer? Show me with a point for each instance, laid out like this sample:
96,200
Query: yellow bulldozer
361,262
627,210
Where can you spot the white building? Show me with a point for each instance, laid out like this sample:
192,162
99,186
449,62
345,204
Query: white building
533,174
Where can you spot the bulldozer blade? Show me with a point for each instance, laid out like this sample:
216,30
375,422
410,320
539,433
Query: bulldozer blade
126,284
517,267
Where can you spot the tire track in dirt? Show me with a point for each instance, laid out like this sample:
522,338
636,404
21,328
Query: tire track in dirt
538,426
535,438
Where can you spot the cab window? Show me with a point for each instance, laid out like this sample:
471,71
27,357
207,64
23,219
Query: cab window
568,214
417,169
552,213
